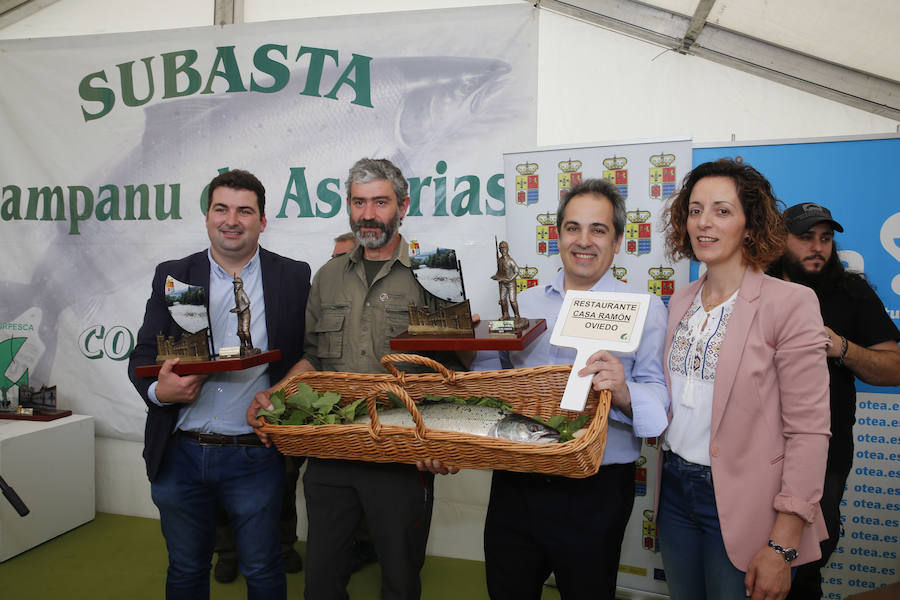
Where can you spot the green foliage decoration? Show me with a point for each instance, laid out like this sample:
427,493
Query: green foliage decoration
307,407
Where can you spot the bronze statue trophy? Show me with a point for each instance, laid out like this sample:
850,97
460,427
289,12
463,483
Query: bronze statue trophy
447,323
242,309
507,272
194,347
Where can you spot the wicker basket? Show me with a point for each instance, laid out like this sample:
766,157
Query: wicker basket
532,391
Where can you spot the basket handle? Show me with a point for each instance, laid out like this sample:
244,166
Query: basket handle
375,424
388,359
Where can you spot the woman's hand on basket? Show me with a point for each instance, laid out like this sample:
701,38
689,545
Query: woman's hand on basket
609,374
436,467
261,400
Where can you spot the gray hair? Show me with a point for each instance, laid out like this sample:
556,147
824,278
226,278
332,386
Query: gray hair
372,169
600,187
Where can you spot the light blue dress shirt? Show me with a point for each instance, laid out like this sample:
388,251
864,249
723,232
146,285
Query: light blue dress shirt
644,373
222,403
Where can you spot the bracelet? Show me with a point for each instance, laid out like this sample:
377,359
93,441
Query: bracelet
844,345
789,554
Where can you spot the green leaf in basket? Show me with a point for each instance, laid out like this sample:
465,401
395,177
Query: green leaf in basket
568,428
304,397
326,402
348,412
492,402
331,419
296,417
277,400
555,421
395,399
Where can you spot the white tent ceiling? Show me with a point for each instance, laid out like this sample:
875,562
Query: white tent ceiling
845,50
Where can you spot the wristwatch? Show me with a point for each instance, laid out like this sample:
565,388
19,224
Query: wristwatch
789,554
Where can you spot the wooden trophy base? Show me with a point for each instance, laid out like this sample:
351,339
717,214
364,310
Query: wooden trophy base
480,339
40,414
213,366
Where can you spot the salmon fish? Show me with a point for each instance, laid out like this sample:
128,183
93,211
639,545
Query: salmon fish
476,420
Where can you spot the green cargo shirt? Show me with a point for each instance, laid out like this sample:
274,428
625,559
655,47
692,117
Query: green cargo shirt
348,323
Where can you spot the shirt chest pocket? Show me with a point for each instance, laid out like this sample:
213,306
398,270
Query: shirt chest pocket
396,319
330,331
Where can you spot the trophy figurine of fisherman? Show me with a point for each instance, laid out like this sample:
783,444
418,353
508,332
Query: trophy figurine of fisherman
507,272
242,309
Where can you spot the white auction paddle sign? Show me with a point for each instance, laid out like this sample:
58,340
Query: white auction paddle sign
591,321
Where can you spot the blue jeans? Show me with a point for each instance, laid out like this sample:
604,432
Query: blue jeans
690,540
247,481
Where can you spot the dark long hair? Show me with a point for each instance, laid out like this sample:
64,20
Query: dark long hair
765,224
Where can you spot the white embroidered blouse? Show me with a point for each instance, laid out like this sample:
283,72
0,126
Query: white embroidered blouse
692,364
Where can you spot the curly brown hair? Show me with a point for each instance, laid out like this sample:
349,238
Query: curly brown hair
765,223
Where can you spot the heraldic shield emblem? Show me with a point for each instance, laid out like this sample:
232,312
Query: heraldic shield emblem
547,235
616,173
569,176
661,282
662,176
527,184
638,233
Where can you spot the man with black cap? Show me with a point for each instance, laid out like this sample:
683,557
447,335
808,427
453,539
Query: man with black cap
863,344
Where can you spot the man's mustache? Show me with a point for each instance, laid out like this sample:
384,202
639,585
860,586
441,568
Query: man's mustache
819,256
371,224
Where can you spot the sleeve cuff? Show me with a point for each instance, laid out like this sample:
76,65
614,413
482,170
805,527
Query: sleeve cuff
151,394
648,407
795,506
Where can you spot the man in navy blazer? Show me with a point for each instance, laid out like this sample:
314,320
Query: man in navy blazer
196,436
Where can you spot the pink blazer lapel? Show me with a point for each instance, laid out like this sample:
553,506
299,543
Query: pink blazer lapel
730,356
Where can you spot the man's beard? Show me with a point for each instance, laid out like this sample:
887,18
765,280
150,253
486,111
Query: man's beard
820,281
388,231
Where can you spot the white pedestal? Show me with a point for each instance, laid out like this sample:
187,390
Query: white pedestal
50,465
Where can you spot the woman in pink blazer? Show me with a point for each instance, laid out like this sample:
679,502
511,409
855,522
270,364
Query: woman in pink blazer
749,425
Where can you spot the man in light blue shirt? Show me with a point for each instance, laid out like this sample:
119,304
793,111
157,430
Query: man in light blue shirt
198,446
538,524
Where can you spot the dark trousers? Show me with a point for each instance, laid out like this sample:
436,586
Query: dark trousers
807,584
396,501
572,527
287,523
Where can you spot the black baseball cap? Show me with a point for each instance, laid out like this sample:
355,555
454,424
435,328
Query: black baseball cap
801,217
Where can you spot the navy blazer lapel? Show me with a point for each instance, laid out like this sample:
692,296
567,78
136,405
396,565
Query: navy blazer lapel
745,307
271,294
198,272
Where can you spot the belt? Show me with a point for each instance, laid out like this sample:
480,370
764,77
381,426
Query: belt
216,439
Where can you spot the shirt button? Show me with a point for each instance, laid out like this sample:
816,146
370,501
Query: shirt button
714,451
219,389
368,304
362,352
